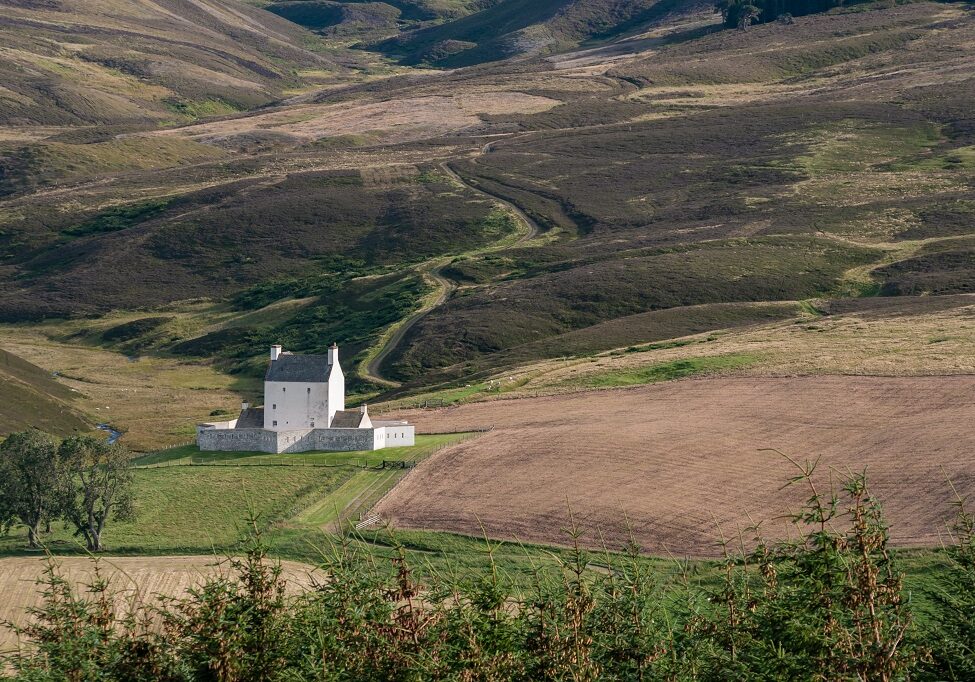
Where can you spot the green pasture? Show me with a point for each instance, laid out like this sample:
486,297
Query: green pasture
191,502
666,371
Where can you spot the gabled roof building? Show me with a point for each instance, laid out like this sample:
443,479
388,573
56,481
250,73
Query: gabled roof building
304,410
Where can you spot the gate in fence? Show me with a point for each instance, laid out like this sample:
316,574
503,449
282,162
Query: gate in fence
398,464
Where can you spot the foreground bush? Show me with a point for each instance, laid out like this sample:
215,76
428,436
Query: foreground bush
830,606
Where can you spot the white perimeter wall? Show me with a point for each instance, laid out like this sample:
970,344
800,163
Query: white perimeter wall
295,405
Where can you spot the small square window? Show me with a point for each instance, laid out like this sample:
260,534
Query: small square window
274,423
284,389
309,390
274,406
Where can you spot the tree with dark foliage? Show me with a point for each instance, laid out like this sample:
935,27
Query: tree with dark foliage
742,13
97,484
30,476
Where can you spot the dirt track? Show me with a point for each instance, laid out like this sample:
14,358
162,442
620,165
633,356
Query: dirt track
677,458
132,578
372,368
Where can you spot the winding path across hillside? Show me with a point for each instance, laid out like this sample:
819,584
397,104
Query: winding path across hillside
432,270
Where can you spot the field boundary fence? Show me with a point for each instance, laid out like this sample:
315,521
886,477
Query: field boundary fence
296,460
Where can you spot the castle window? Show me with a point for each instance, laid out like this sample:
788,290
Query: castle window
274,423
309,390
274,406
284,389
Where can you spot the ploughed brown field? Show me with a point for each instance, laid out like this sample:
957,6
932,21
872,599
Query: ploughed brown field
677,461
132,580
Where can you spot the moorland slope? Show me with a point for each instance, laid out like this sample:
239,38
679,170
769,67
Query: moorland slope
684,179
33,397
512,28
114,62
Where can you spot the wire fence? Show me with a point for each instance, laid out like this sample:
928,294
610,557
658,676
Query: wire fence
294,460
304,460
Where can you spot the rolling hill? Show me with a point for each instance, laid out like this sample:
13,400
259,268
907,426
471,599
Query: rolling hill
359,20
518,27
32,397
677,178
114,62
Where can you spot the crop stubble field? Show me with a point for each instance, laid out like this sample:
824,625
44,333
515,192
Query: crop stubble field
679,461
142,579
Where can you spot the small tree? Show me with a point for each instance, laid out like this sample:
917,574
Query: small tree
97,484
30,477
748,14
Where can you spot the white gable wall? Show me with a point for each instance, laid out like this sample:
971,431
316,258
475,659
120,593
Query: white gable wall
336,385
293,405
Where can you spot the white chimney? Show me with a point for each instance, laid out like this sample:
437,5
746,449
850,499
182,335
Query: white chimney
333,354
275,353
245,406
364,409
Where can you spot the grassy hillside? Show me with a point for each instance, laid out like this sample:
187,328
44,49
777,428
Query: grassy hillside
358,20
221,241
514,27
32,397
70,62
675,182
707,152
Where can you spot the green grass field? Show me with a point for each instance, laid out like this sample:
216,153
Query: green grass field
356,495
666,371
189,502
191,510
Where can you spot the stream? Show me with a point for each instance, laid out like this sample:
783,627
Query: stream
113,435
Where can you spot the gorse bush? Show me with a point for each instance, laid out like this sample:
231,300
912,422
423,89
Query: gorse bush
952,634
828,606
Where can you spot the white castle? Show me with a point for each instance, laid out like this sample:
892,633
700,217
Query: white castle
304,410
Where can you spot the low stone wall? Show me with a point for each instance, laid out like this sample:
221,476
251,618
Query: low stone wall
237,440
343,440
334,440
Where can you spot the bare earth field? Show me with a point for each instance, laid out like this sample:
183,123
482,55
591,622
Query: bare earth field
680,460
399,120
140,579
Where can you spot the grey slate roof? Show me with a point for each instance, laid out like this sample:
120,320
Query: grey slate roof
251,418
347,419
300,368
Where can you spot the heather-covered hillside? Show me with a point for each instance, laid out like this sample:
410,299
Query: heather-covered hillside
674,179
